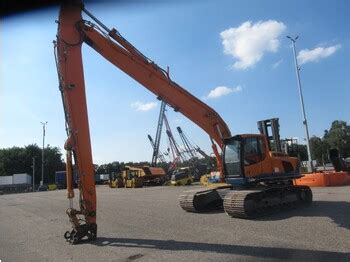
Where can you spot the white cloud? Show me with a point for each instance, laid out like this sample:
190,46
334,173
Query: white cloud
277,64
223,91
139,106
316,54
248,42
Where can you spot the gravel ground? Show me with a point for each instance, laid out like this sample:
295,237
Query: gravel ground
147,224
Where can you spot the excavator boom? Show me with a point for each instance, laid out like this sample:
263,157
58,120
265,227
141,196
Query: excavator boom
73,31
78,146
147,73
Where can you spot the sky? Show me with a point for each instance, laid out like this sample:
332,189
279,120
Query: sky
234,56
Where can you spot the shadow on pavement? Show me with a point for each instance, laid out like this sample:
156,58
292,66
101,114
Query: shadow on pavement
262,252
338,211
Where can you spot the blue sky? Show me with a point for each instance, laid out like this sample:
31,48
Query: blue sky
238,46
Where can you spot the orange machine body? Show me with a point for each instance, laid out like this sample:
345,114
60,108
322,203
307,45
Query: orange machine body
324,179
257,162
71,78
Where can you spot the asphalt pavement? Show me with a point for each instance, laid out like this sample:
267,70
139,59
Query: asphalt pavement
147,224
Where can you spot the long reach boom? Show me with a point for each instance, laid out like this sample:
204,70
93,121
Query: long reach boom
73,31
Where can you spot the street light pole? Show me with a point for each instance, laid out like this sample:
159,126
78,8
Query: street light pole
42,154
33,174
297,69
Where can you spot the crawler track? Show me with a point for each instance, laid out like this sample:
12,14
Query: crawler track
246,203
201,201
257,203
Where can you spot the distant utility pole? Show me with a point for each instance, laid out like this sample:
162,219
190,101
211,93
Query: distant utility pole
33,166
297,69
42,155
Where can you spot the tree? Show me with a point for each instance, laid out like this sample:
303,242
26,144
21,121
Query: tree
19,160
53,163
301,153
319,149
114,167
338,137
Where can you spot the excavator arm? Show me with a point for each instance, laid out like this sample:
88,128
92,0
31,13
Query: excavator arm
71,84
73,31
128,59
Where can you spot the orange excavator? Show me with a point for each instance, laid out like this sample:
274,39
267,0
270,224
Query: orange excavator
262,178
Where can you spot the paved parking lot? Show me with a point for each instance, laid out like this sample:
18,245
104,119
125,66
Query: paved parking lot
147,224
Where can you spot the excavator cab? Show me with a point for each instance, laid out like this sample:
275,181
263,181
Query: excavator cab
243,156
248,160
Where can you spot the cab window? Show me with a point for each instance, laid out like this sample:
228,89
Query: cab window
262,148
252,151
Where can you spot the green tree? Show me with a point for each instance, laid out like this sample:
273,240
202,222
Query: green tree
297,150
319,149
19,160
338,136
53,163
301,153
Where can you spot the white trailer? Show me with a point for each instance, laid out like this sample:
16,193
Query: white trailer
6,180
22,179
104,177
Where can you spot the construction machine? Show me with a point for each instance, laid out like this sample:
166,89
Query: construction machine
115,180
259,179
197,166
156,154
132,177
153,176
181,177
339,164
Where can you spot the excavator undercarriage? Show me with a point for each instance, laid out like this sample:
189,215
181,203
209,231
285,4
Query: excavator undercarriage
244,202
249,196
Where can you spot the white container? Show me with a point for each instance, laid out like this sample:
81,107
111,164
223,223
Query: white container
104,177
6,180
22,179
